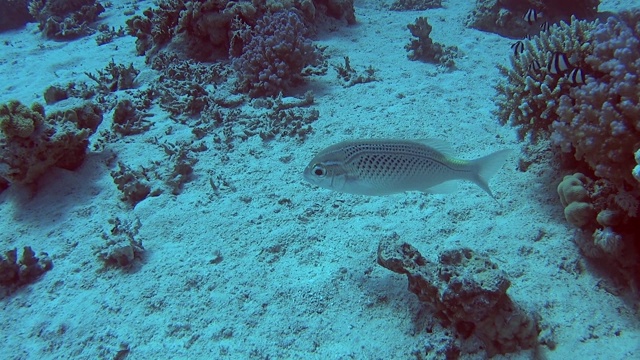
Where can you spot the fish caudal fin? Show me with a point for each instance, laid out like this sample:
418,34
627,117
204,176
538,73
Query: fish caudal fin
486,167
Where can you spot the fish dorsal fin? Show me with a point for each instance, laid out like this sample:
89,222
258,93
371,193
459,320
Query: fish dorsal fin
440,146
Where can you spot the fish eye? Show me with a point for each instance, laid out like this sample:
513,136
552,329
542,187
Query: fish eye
319,170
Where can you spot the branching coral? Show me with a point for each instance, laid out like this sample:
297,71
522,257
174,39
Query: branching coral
277,56
528,99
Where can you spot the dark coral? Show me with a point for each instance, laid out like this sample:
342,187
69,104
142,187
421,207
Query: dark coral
506,17
134,185
64,19
416,4
16,272
127,119
468,293
14,14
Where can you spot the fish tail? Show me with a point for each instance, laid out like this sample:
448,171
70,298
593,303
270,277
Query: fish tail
486,167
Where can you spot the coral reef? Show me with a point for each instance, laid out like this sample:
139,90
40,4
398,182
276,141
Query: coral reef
215,28
415,4
64,19
16,272
423,48
14,14
157,27
277,56
31,143
594,117
121,247
467,292
506,17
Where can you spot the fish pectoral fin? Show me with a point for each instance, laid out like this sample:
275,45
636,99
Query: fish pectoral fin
446,187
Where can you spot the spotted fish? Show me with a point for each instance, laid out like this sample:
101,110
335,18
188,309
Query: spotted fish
383,167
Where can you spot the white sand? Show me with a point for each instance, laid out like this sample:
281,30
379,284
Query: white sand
298,280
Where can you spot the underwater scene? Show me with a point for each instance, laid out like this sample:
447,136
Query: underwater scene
319,179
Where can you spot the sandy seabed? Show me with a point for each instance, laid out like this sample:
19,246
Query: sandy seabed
298,277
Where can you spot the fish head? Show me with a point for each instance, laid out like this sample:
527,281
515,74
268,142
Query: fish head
326,174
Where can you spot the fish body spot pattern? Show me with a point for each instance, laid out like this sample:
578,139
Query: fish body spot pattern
387,166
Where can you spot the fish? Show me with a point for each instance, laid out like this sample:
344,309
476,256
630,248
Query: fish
577,76
534,66
377,167
558,63
544,27
518,47
531,16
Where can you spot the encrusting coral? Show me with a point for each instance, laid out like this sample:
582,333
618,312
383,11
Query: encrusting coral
467,291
